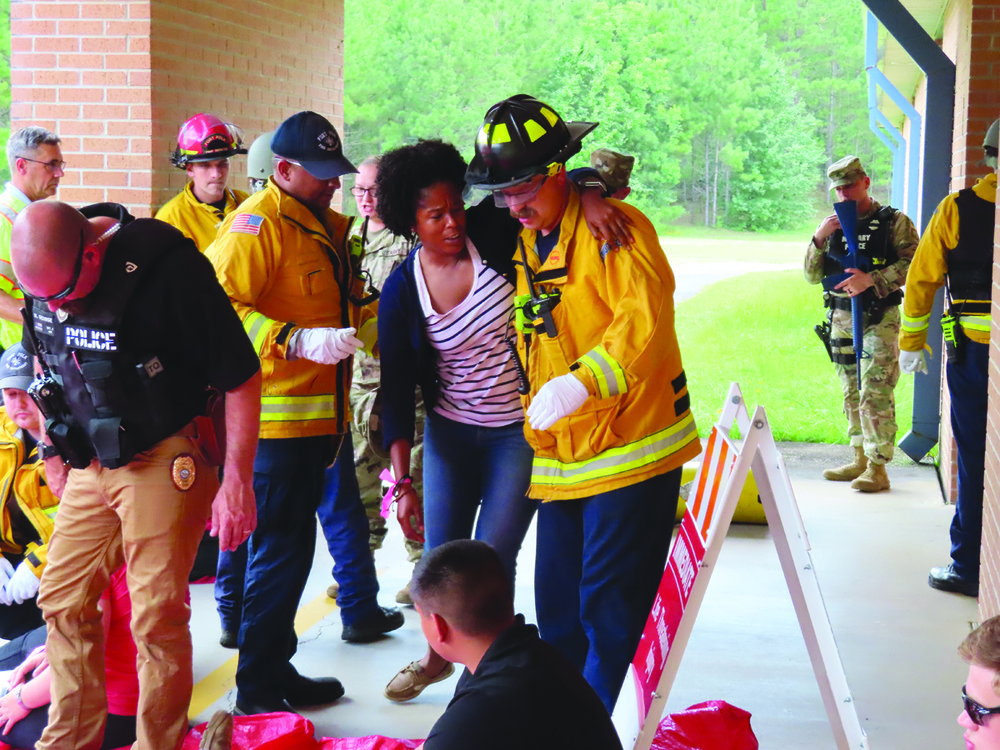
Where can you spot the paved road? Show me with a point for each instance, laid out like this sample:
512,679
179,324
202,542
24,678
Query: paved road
692,277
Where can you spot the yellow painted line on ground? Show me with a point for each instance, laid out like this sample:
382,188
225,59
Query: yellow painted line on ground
216,684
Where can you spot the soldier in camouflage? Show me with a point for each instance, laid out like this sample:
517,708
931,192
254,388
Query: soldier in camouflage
384,252
888,239
615,169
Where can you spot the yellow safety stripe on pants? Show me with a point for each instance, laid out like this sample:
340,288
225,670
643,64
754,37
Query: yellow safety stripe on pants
914,325
625,458
607,372
256,326
975,322
297,408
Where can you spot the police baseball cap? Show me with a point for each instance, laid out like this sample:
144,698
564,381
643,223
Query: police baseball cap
311,141
847,171
17,368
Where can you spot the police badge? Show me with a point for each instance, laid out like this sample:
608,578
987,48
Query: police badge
182,472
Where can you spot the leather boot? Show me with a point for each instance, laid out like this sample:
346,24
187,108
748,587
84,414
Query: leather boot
219,732
850,471
873,480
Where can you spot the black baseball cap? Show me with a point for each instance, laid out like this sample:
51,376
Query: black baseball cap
17,368
310,140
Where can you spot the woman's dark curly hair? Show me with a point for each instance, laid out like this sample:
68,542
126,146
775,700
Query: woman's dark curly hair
404,172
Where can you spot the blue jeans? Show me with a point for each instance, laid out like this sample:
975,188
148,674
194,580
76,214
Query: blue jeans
345,525
230,576
598,564
289,478
469,469
967,383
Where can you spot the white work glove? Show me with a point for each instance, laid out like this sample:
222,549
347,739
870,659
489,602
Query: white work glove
22,586
328,346
558,398
6,571
912,361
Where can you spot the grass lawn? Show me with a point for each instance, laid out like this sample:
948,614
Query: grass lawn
757,329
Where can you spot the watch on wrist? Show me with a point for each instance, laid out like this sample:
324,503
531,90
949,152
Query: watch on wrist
45,450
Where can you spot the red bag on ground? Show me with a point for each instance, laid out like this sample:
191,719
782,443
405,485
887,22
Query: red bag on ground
713,725
375,742
279,731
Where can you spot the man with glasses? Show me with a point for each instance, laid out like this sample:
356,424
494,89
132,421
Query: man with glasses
134,332
608,409
204,146
384,252
36,166
283,258
981,692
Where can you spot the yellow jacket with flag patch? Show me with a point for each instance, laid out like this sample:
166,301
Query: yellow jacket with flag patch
24,491
283,269
198,221
615,332
930,264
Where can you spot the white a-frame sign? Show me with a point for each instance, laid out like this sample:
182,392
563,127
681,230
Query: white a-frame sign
693,556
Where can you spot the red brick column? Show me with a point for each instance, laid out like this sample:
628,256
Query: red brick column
116,80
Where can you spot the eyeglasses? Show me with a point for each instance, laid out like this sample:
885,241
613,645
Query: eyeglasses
357,192
68,289
518,194
52,166
975,711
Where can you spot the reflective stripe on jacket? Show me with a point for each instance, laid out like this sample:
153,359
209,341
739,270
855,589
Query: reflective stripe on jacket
283,270
12,202
615,322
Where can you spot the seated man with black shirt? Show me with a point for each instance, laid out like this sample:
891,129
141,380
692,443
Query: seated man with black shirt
517,690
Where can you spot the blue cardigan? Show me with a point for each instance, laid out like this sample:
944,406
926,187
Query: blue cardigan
407,357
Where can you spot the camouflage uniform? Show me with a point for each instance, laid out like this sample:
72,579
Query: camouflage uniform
871,414
384,252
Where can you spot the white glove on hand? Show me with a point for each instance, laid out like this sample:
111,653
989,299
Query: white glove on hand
6,571
22,586
328,346
558,398
912,361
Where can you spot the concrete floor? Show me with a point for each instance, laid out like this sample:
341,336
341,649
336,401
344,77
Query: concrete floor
897,637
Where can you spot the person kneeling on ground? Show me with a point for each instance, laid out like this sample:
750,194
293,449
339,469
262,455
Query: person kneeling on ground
24,707
517,690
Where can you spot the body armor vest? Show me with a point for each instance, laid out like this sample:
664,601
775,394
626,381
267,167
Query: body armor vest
875,244
118,397
970,262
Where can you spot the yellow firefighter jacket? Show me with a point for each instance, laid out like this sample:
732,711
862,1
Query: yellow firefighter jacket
615,322
198,221
24,487
284,270
930,264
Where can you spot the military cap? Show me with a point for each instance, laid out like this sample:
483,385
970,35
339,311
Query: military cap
615,168
847,171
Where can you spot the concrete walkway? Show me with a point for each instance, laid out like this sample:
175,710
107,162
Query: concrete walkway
897,637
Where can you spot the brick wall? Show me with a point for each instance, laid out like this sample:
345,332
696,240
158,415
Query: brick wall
116,79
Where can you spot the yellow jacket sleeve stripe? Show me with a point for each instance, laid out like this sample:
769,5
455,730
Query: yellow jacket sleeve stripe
256,326
607,372
916,324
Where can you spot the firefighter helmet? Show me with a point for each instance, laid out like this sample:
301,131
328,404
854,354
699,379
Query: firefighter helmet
206,138
260,161
522,137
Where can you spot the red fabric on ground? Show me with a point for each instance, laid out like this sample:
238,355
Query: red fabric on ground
713,725
284,731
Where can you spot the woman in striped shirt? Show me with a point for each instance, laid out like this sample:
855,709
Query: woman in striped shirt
443,318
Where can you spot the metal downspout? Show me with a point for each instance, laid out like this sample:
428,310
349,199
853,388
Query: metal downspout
938,125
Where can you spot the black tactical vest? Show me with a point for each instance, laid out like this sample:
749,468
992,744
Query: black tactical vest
970,262
121,399
874,243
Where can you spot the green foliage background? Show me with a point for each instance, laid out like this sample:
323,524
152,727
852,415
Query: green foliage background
733,108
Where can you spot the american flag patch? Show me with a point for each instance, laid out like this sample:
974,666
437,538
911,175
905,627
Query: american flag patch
246,224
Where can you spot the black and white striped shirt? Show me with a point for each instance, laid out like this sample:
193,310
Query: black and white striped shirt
475,370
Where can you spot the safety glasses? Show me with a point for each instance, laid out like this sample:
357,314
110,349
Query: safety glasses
975,711
518,195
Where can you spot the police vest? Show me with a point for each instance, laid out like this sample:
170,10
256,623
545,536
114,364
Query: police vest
120,401
970,262
875,244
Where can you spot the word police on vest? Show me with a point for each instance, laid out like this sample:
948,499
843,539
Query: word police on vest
91,338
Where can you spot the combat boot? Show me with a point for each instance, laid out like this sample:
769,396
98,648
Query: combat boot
850,471
873,480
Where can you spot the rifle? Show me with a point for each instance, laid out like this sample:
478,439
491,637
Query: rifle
847,212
